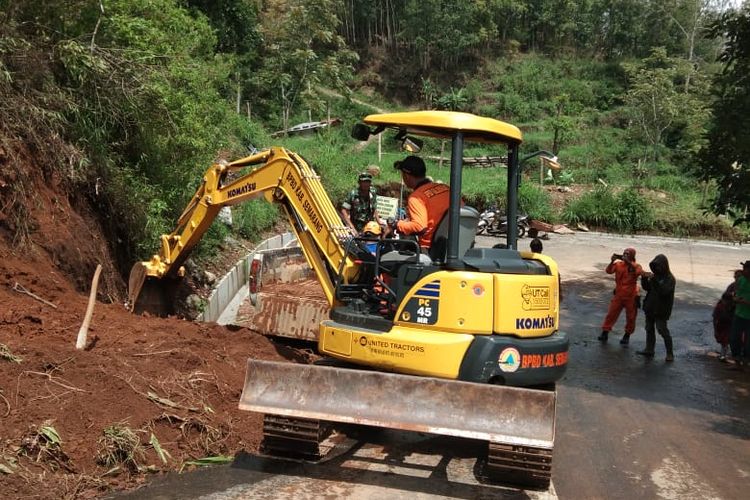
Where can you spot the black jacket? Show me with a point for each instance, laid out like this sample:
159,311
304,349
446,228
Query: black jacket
659,289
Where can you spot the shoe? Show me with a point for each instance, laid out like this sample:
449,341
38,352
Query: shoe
669,358
722,358
625,340
648,354
604,336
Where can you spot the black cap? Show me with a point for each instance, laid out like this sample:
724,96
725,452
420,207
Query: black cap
413,165
745,264
365,176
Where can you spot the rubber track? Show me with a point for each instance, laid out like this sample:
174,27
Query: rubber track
519,465
290,437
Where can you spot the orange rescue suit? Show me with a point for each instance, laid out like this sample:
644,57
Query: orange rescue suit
626,289
426,207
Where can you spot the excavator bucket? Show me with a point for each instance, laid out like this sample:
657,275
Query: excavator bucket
148,294
512,416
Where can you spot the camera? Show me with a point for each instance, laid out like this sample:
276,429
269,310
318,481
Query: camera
616,256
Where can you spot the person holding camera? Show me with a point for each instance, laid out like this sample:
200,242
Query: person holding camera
626,295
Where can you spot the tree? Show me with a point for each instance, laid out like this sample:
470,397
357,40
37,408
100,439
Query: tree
726,158
653,102
302,51
690,17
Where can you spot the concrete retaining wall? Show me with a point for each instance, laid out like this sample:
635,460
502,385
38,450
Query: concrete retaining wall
235,279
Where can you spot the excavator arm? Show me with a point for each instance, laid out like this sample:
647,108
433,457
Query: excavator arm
282,177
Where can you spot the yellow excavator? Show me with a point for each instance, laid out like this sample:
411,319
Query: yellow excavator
463,342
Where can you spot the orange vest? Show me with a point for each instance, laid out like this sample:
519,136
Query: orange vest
426,207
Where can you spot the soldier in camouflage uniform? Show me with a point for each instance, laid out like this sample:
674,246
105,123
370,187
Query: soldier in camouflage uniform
359,207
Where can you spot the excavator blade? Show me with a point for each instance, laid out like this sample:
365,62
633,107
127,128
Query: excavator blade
148,294
499,414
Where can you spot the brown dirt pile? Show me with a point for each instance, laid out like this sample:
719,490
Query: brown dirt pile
179,380
173,379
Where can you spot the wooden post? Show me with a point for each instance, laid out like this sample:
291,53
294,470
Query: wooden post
380,148
84,330
541,172
249,112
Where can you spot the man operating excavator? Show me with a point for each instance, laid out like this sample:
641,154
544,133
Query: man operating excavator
427,204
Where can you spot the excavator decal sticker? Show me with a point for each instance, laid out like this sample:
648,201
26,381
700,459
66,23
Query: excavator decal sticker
535,323
422,308
310,211
509,360
429,290
550,360
306,205
246,188
535,298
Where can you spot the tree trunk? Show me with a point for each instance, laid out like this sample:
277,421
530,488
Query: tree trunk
239,94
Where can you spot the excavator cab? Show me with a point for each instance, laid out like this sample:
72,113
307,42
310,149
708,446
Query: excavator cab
455,233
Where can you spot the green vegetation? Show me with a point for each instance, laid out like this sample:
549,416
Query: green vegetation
125,103
726,156
626,211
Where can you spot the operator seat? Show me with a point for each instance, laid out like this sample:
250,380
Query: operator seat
468,220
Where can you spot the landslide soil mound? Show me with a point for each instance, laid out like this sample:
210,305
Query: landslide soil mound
175,380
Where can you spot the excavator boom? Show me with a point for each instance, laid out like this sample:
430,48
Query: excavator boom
279,175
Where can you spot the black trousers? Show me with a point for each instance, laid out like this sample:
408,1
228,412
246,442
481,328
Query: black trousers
652,326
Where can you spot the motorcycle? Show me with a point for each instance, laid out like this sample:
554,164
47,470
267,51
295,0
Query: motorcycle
494,224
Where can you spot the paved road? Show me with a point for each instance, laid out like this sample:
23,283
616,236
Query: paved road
626,427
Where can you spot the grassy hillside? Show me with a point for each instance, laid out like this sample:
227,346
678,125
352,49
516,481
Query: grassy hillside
618,185
126,104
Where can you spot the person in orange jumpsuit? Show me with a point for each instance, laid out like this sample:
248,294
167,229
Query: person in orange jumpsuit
626,271
427,203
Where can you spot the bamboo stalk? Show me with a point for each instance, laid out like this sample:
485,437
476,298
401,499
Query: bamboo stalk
83,332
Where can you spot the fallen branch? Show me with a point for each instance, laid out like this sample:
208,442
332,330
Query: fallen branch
81,341
155,398
168,402
52,379
7,403
154,353
20,289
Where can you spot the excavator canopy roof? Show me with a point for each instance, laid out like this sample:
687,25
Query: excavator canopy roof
443,124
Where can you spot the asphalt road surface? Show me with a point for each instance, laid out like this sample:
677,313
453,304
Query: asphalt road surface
627,427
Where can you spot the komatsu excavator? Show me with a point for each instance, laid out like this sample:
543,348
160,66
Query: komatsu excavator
464,343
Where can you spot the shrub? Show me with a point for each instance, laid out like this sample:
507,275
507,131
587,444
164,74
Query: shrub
212,241
534,202
625,211
251,218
